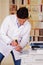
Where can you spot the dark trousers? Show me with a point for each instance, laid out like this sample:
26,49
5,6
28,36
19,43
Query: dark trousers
16,62
1,57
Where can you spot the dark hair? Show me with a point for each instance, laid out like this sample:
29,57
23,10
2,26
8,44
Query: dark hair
22,13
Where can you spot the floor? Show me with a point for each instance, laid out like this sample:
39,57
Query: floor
8,60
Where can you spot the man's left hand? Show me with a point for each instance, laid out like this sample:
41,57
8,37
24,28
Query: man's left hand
18,48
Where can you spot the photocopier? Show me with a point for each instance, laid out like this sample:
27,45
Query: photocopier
34,55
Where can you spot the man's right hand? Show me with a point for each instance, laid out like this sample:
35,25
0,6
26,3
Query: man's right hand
13,43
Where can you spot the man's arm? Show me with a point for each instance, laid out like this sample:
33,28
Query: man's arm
26,36
4,30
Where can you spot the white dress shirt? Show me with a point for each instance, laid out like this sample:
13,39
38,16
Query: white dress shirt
10,31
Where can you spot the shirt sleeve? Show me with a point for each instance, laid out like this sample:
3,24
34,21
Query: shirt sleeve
4,30
26,36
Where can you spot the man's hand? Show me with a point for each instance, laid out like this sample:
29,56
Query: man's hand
18,48
14,43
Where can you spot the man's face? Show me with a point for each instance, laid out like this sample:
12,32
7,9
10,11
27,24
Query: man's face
21,21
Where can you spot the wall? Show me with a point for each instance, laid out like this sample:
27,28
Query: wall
0,11
4,9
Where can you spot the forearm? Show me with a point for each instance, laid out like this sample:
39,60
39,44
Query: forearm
25,40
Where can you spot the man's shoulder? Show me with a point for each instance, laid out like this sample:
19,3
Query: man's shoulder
12,16
27,24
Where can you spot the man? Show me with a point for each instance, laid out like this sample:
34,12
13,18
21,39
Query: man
14,33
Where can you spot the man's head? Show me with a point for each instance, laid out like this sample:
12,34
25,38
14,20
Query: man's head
22,15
